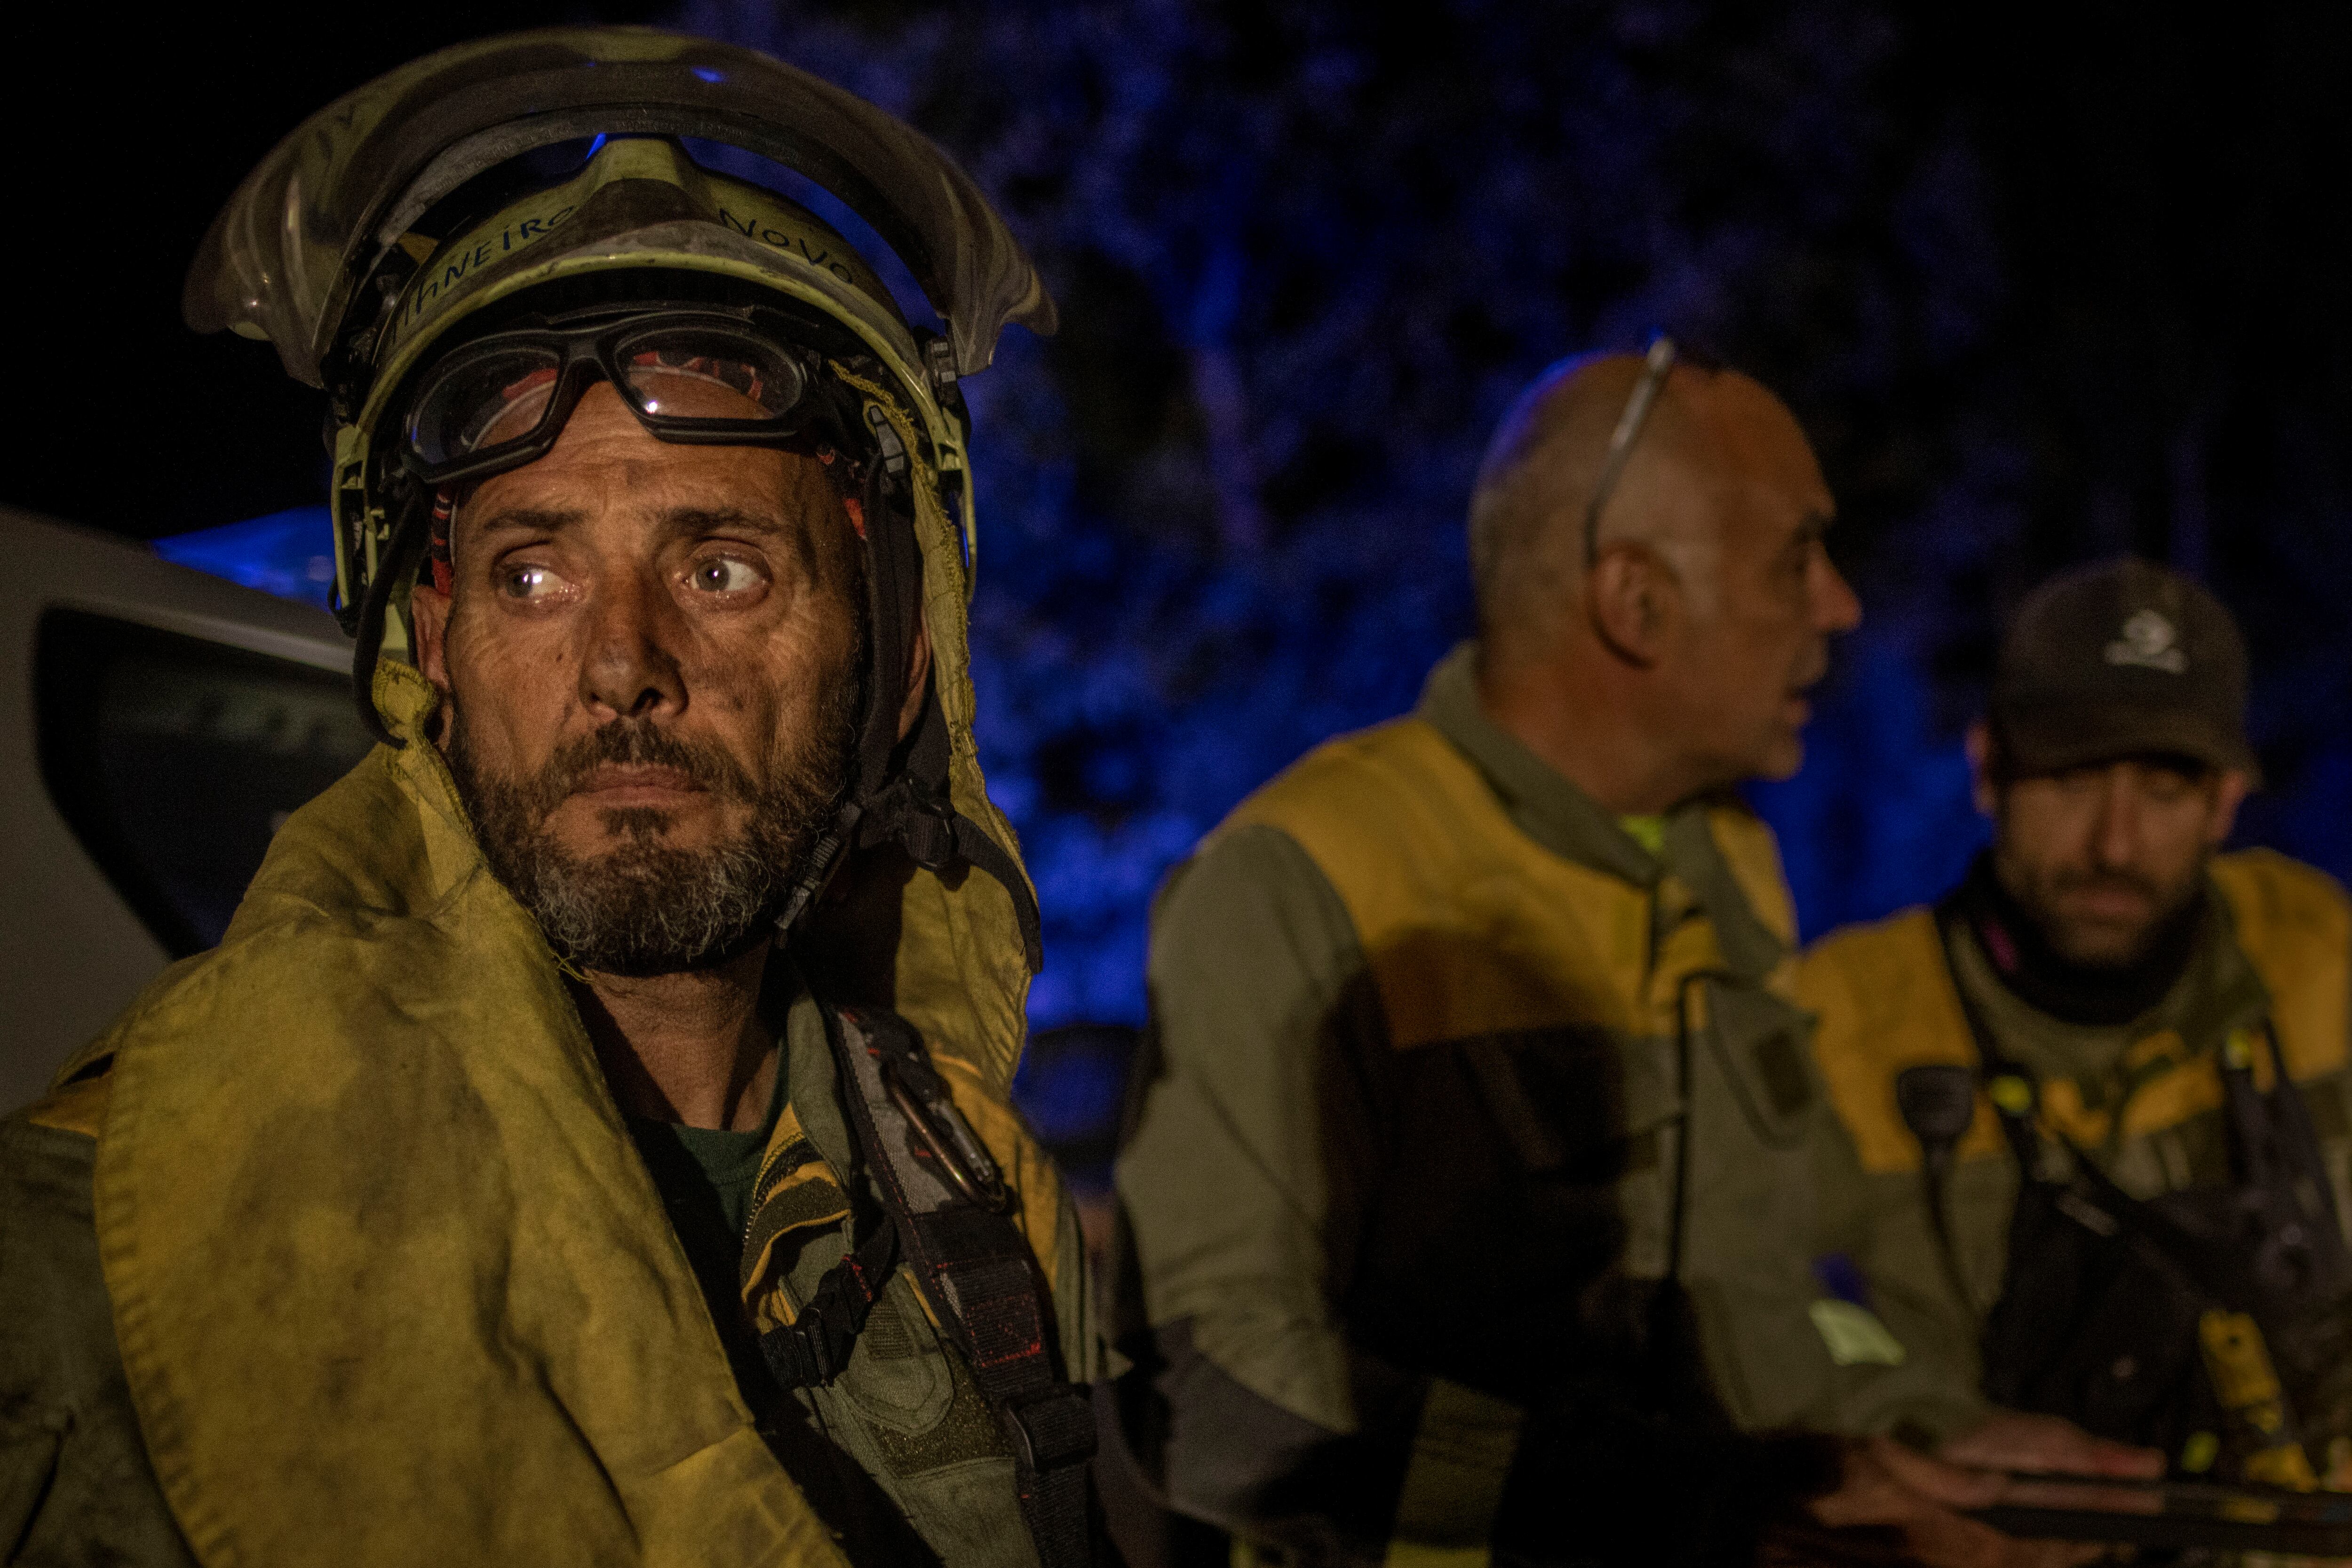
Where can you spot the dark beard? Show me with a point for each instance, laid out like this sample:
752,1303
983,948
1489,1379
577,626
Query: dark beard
643,908
2034,965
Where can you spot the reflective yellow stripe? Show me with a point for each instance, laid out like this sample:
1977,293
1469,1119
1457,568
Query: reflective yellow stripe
1453,1481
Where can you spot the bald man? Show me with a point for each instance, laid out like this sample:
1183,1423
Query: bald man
1470,1193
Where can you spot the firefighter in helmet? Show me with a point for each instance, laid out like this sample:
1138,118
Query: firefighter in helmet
591,1141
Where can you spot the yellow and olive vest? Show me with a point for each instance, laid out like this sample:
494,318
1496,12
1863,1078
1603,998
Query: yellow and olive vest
1486,948
1885,999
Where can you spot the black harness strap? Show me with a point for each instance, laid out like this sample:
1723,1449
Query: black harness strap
951,1212
810,1351
2104,1204
2262,1155
2264,1246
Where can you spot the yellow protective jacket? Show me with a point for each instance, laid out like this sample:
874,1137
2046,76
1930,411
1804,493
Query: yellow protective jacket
1886,997
384,1280
1406,1154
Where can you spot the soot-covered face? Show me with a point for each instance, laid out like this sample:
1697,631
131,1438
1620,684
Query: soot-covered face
650,655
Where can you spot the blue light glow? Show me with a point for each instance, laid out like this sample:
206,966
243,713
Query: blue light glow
289,554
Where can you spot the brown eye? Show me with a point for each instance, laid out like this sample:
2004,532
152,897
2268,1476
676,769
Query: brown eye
722,575
528,581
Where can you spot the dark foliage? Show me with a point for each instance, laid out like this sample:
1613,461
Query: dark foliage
2037,296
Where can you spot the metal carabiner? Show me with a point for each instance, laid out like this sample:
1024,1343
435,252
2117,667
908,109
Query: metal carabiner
985,1186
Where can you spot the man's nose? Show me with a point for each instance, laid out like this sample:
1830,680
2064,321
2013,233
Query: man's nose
1835,606
627,667
2114,831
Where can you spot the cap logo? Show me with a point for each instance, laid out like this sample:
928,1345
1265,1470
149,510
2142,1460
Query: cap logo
2149,641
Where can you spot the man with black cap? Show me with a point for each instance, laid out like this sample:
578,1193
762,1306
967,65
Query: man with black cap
2099,1091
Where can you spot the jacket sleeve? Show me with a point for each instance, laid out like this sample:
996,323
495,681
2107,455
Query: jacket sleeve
75,1483
1876,1220
1240,1184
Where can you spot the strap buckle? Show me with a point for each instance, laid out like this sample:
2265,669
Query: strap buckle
1053,1429
919,822
800,1354
812,1350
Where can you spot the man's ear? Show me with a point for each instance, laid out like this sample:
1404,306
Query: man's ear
2230,793
428,618
919,671
1980,761
1636,600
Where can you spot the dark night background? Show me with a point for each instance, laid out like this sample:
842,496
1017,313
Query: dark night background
2043,283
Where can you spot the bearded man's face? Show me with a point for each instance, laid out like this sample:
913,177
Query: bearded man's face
2101,857
645,905
651,656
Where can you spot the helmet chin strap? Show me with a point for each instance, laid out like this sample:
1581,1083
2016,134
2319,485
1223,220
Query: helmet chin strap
900,791
401,551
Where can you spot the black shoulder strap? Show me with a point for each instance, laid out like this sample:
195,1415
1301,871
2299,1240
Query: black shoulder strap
2278,1149
952,1214
1992,1062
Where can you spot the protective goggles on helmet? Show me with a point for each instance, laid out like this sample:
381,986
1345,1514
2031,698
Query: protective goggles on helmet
696,377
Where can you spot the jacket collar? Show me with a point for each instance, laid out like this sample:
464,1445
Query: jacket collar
1546,806
1561,817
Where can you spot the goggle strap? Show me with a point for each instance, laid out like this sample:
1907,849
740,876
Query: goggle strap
436,550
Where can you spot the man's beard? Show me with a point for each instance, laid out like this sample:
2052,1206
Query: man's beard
643,906
2105,944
